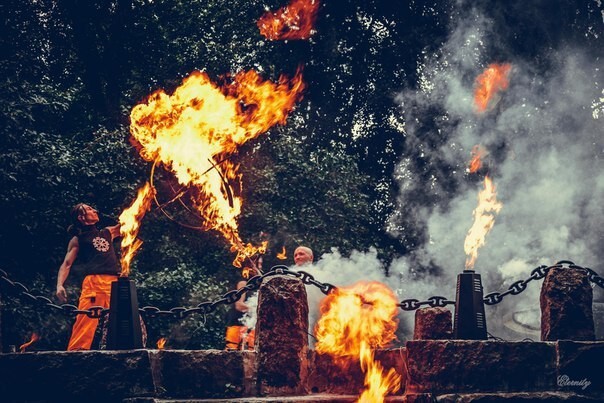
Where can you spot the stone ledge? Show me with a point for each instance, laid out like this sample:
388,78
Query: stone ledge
458,366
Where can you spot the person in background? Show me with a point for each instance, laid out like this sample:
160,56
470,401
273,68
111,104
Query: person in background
93,249
303,255
238,335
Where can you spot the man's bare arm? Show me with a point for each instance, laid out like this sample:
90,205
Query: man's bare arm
72,253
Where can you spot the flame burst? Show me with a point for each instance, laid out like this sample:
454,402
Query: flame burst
197,127
484,219
130,224
161,343
282,255
478,153
294,21
354,320
34,338
489,83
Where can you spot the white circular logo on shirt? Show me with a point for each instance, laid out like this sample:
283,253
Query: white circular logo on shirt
100,244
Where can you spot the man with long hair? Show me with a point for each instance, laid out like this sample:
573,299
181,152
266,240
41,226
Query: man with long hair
94,251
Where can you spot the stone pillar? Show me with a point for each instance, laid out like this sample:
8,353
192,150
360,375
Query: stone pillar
281,337
566,306
433,324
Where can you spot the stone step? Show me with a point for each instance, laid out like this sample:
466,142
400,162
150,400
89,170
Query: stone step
413,398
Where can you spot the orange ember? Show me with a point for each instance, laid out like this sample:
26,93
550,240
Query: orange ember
294,21
484,219
282,255
34,338
161,343
193,131
478,153
354,320
130,221
489,83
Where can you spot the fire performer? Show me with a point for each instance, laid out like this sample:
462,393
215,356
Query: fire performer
238,335
303,255
94,250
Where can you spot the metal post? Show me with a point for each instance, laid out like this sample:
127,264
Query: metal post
470,321
124,331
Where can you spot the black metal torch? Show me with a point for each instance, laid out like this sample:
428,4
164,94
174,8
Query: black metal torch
470,322
124,331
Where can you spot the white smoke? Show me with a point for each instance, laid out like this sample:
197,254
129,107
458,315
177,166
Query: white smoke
547,169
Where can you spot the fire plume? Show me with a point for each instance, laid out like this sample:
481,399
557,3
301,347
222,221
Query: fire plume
194,130
489,83
161,343
130,221
282,255
294,21
478,153
484,219
354,320
34,338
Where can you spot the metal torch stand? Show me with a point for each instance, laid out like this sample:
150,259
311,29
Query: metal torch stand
124,331
470,321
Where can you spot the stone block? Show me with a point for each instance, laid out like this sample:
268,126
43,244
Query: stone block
580,367
433,324
456,366
84,376
566,306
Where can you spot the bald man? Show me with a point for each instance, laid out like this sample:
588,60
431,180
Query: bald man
303,256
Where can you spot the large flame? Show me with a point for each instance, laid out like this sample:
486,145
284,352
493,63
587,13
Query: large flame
489,83
294,21
484,219
34,338
194,130
130,221
354,320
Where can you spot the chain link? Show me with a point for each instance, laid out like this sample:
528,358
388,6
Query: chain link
254,283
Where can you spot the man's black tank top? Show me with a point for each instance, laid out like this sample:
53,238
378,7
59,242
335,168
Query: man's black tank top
96,253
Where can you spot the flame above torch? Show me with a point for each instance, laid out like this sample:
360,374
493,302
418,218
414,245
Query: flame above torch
489,83
354,320
294,21
202,123
484,219
130,220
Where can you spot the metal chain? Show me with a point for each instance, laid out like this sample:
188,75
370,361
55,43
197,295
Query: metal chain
67,309
539,273
254,283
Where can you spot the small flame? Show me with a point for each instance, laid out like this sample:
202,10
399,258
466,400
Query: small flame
34,338
478,153
354,320
161,343
489,83
130,220
193,131
294,21
282,255
484,219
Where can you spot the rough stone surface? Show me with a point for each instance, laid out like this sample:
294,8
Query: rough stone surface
580,367
82,376
566,306
328,376
281,338
433,324
515,397
457,366
205,373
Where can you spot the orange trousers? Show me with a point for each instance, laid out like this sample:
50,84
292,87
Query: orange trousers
238,338
96,291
